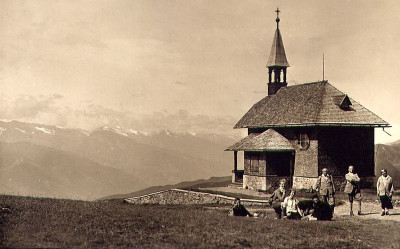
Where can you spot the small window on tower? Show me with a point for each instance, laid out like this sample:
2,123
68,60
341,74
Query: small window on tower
304,141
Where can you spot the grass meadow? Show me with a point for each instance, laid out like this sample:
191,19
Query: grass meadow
49,223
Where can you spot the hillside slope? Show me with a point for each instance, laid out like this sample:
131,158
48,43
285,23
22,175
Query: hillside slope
29,169
154,159
212,182
388,157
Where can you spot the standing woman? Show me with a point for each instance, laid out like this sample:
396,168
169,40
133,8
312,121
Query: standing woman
385,189
352,188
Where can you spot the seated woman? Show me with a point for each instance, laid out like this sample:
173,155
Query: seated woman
290,203
277,197
239,210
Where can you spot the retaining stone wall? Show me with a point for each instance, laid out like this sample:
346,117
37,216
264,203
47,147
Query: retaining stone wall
179,197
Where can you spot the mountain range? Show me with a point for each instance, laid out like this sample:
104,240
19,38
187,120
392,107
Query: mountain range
53,161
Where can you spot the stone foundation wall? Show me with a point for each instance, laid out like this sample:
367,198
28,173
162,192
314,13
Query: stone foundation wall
255,182
185,197
302,182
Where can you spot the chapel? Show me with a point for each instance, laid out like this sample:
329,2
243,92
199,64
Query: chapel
296,130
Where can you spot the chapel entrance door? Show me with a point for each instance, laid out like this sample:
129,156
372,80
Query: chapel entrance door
281,164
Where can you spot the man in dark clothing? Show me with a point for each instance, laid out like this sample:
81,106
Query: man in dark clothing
239,210
322,210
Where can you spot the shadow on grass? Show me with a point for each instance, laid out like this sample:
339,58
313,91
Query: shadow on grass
369,213
390,214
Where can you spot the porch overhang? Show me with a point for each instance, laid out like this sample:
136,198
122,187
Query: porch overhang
270,140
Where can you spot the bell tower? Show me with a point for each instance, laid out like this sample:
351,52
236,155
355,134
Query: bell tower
277,63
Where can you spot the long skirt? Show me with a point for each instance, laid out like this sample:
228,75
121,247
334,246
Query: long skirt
386,202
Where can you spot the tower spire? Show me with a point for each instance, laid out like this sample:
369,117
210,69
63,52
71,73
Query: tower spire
277,62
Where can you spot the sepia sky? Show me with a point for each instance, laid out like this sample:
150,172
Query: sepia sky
188,65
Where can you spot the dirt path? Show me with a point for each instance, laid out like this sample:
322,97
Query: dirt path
369,210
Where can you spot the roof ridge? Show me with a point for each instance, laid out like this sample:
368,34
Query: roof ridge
309,83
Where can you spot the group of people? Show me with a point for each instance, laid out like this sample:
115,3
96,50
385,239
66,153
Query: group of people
288,207
285,205
384,190
323,202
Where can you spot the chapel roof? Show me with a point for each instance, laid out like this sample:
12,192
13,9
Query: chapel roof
309,104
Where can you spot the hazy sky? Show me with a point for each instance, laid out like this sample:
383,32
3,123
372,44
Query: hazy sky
188,65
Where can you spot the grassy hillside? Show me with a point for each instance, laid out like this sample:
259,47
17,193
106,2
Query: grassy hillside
36,222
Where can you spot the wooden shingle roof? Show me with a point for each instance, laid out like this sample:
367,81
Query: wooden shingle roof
308,104
269,140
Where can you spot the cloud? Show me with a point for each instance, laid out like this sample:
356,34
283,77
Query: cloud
28,106
93,116
46,109
98,111
183,120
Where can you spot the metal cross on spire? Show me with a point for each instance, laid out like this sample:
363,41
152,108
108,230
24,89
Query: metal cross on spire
277,17
277,12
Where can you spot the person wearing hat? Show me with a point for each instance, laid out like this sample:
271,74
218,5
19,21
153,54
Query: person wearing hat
352,188
385,189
